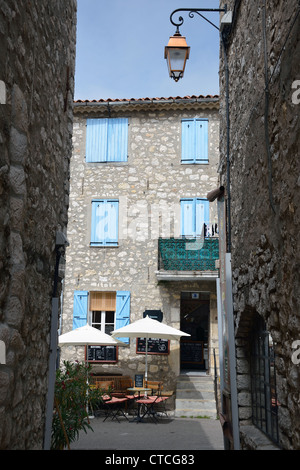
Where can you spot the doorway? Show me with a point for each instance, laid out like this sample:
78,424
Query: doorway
194,319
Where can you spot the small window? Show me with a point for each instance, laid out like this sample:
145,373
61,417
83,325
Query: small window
104,321
103,308
107,140
263,381
194,141
104,229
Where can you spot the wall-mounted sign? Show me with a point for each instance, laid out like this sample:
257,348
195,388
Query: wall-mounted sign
102,353
154,314
155,346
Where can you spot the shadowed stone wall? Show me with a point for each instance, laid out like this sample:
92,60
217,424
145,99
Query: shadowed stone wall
37,58
263,50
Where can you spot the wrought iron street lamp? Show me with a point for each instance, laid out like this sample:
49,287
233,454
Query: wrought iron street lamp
177,51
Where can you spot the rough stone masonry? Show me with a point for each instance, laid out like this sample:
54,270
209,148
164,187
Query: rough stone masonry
263,51
37,58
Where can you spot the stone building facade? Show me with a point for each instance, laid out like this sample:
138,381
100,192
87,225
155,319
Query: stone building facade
263,52
146,190
37,57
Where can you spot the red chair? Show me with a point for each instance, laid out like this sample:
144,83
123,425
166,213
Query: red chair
114,408
146,408
159,404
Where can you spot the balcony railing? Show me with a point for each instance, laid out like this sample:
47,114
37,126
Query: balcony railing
188,254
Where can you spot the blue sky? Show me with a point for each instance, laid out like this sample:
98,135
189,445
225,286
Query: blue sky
120,49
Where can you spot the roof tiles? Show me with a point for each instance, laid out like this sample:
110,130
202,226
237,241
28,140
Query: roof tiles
133,100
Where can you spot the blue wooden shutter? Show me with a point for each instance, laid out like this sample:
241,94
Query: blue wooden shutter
187,141
98,216
122,311
188,217
105,215
80,308
96,140
117,147
201,141
111,222
202,214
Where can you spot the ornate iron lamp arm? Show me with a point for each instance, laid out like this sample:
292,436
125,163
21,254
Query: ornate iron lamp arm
192,11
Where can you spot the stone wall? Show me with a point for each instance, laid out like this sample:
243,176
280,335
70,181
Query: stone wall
265,190
37,58
152,178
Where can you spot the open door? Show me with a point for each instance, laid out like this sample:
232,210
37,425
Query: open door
194,319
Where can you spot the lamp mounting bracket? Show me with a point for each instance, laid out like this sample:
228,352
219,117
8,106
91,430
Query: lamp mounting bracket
192,12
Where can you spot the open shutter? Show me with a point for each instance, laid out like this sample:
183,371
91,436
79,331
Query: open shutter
98,222
201,141
96,140
122,311
188,217
111,222
80,309
187,141
117,148
202,215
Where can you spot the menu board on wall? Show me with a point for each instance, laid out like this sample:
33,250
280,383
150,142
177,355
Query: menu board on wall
155,346
102,353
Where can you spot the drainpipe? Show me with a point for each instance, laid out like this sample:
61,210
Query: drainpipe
227,146
60,245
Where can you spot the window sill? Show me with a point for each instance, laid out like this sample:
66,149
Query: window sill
194,163
116,163
103,246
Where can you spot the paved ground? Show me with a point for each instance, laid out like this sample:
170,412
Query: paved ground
174,434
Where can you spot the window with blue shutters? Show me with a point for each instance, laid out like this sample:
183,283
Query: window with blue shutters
194,141
80,309
107,140
104,315
107,311
194,214
104,229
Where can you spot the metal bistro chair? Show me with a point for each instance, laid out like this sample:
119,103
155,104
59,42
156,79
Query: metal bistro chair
106,387
110,404
159,405
150,403
114,408
146,408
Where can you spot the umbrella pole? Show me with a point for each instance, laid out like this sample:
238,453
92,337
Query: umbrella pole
146,368
87,383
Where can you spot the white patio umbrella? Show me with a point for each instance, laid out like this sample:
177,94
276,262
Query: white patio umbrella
149,328
87,336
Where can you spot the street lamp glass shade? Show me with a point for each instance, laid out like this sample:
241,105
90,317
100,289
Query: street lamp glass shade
176,54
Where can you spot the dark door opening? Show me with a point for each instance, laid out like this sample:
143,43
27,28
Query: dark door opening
194,319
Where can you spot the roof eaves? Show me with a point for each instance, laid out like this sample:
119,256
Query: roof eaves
139,101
